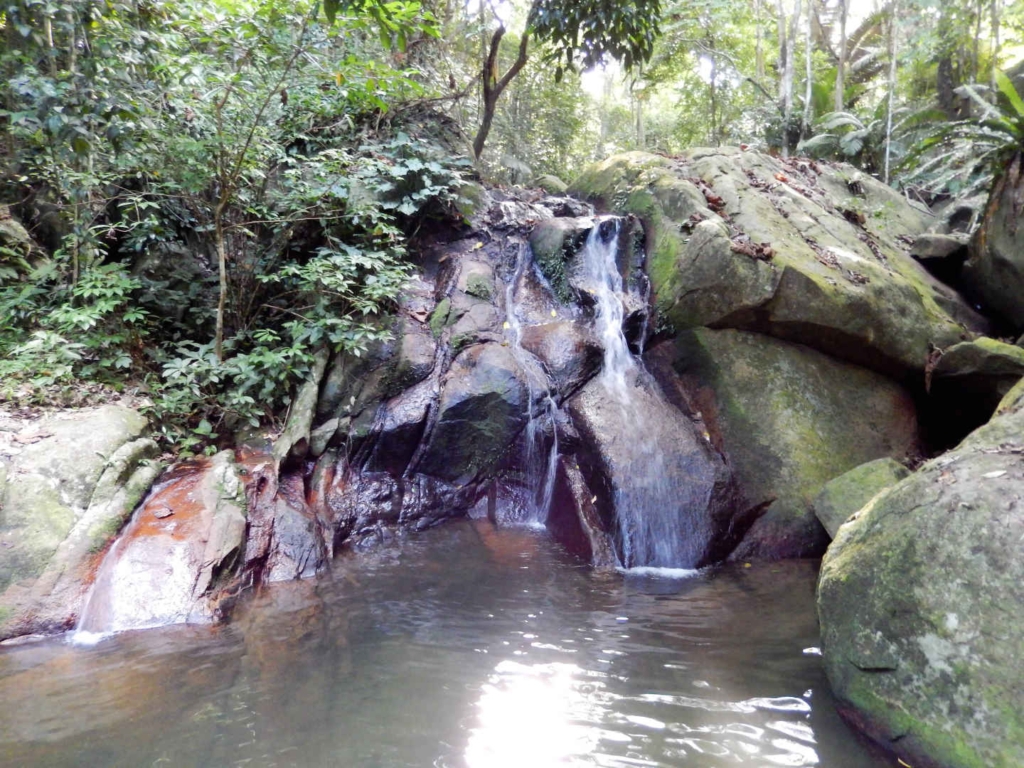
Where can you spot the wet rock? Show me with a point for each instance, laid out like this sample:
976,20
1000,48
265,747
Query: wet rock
287,539
569,352
483,406
847,493
399,428
828,266
165,570
639,456
574,519
472,321
919,603
476,278
354,385
789,419
67,494
995,270
366,506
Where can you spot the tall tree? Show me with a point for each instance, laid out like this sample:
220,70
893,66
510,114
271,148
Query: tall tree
840,102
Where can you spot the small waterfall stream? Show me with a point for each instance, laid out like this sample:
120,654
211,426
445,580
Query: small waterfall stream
541,458
648,517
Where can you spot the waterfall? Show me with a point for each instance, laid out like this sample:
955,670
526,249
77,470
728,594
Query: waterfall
648,505
541,458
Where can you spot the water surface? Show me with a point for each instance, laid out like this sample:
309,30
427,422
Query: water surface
462,646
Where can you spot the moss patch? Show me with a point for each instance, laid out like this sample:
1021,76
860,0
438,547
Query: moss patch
440,318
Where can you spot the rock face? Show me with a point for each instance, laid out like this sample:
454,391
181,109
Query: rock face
995,270
70,487
919,602
181,540
800,251
790,419
846,494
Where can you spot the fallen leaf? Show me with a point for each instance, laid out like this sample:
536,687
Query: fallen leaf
553,313
781,177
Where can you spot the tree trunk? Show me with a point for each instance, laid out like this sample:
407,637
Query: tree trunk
805,131
222,269
493,87
892,86
995,47
787,37
759,48
840,101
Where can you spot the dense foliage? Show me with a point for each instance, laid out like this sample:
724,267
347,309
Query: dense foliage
216,189
218,194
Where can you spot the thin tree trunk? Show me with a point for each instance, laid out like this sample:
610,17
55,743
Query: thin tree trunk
787,37
976,52
892,87
995,46
759,47
493,87
840,100
809,87
222,270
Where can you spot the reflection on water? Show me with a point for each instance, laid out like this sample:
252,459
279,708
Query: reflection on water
464,646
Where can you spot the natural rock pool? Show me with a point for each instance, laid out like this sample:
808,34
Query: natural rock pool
462,646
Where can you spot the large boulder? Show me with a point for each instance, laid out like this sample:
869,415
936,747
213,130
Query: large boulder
994,272
802,251
73,478
789,419
919,602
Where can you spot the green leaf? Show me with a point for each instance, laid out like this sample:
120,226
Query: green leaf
1005,85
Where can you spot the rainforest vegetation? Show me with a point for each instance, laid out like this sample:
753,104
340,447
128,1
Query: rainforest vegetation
197,196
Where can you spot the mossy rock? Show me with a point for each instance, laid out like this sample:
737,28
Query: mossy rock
834,272
919,603
551,184
789,419
846,494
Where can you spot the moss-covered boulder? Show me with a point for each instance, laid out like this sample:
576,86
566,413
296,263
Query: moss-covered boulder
71,485
551,184
994,272
847,493
920,603
802,251
789,419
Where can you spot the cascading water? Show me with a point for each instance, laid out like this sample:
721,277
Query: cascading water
541,453
649,519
